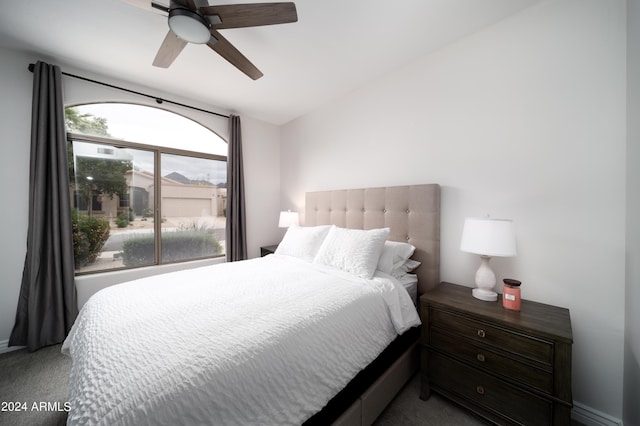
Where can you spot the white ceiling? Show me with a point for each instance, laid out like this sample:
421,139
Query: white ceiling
335,47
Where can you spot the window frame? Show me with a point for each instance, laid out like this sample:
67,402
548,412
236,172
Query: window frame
157,213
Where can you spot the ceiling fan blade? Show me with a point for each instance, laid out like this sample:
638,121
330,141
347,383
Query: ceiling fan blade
169,50
252,15
233,55
149,5
191,4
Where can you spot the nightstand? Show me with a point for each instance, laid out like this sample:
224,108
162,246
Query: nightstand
268,250
509,367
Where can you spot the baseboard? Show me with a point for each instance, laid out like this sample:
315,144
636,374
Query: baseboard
4,347
591,417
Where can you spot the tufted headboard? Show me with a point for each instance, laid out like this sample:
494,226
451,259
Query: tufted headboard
411,212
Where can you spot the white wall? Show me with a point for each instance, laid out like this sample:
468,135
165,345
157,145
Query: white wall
15,125
261,154
523,120
261,142
632,328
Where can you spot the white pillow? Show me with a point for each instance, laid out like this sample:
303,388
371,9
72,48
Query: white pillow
353,250
406,267
303,242
394,254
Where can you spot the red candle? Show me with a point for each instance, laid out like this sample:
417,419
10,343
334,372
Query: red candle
511,294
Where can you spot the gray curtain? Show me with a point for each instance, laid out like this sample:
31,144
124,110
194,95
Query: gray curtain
47,305
236,217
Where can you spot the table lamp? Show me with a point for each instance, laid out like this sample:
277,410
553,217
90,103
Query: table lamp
488,238
288,219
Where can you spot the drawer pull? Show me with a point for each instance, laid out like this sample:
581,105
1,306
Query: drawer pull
480,357
480,390
481,333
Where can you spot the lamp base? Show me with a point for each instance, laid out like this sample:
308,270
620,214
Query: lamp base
486,295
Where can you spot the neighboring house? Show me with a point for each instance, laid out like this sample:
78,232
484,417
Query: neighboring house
181,197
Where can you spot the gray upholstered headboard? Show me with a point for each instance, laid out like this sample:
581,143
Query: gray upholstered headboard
411,212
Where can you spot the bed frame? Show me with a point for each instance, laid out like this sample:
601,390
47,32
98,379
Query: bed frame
413,215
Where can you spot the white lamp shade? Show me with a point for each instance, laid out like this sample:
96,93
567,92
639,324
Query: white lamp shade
288,219
489,237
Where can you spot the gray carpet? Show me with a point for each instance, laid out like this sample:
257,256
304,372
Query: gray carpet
34,377
43,377
409,410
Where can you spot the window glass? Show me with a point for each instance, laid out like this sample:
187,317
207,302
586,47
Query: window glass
138,204
143,124
119,181
194,203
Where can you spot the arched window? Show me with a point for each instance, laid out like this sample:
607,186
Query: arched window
148,187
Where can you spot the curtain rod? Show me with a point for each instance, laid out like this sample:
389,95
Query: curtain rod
157,99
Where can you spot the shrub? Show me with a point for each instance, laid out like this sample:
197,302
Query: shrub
138,250
122,221
176,245
89,236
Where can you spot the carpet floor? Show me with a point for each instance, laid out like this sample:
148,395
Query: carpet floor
38,382
28,378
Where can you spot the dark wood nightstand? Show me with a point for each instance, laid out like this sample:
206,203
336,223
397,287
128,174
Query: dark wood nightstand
268,250
509,367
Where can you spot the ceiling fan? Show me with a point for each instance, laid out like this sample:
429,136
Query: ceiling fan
195,21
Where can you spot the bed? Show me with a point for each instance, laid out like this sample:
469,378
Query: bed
302,336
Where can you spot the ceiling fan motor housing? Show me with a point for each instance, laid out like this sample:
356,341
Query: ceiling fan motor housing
189,25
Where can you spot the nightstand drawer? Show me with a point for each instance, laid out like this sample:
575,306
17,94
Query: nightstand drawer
480,357
520,344
486,391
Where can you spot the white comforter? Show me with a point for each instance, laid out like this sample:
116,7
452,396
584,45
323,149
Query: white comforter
265,341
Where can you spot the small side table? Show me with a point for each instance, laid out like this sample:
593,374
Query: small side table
268,250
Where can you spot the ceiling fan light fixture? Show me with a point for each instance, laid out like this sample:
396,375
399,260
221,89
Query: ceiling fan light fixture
189,26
